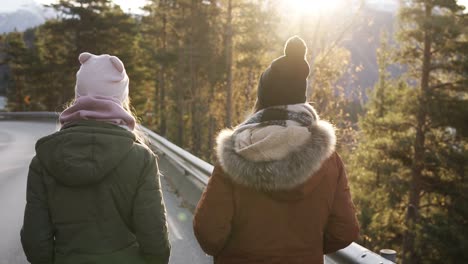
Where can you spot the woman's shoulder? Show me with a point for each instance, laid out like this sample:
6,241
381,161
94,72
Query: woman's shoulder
333,162
143,150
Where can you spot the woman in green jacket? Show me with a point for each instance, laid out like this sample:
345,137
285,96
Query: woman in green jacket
93,190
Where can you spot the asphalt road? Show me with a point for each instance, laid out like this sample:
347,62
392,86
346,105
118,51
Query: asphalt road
17,139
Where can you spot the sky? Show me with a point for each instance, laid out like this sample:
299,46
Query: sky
133,5
12,5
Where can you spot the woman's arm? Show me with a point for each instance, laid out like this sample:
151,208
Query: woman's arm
212,220
37,234
149,216
342,227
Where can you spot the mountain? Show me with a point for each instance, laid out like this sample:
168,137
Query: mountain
19,15
363,44
22,15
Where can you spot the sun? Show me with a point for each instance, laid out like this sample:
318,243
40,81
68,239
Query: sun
312,6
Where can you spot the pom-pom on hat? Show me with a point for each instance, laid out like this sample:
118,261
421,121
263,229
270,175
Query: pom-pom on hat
285,80
101,75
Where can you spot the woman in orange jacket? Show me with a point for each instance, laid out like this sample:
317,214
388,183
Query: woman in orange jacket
279,193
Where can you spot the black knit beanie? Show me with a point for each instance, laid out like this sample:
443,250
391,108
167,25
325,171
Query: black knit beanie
285,80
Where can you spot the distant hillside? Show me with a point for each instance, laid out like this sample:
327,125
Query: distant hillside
363,44
29,14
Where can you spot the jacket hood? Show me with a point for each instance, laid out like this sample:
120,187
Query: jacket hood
84,152
301,155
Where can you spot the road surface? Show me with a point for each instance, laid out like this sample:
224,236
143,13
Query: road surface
17,139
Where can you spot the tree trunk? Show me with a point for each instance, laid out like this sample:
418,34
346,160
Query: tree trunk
211,135
314,50
193,85
180,99
249,87
162,83
228,46
157,99
410,254
19,94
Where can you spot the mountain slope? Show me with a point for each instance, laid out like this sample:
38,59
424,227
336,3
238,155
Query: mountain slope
25,14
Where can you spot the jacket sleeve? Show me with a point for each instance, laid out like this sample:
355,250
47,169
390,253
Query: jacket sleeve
213,215
342,226
37,234
149,216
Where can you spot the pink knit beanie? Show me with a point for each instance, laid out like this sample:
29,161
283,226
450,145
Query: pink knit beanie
100,92
102,75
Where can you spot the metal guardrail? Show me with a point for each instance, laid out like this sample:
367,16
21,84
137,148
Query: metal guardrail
201,170
356,253
191,164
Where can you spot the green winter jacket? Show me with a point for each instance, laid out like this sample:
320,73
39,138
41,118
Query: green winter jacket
94,196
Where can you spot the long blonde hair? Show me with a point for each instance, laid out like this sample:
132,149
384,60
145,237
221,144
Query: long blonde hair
137,131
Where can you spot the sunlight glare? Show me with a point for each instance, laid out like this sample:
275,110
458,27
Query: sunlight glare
312,6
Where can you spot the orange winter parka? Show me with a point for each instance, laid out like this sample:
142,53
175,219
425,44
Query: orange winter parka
264,210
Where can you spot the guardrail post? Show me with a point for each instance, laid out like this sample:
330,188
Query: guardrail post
389,254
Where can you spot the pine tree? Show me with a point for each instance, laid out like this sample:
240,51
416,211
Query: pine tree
377,166
22,63
228,47
256,44
410,165
159,42
434,48
94,26
186,42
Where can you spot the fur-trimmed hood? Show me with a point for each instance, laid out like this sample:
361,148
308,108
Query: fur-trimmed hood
267,156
